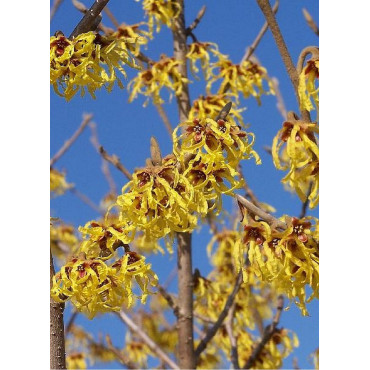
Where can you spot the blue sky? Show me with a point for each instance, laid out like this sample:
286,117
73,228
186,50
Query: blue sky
125,129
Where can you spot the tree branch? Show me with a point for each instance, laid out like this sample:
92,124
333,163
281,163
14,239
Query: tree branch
168,297
115,161
287,60
163,115
268,333
213,330
57,344
233,341
86,119
55,7
148,341
196,21
121,358
311,23
274,222
90,20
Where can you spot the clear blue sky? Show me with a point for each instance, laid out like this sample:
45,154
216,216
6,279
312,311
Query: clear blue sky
125,129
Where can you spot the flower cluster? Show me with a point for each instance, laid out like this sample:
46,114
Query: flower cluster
133,32
289,259
295,148
88,62
150,82
246,78
159,200
95,287
58,183
308,88
63,240
199,51
160,12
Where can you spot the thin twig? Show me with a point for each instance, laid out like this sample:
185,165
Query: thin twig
248,190
148,341
164,117
251,49
116,162
111,17
55,7
204,319
121,358
168,297
85,199
233,340
268,333
287,60
305,203
311,23
196,20
71,320
57,344
86,119
91,19
274,222
213,330
105,167
313,50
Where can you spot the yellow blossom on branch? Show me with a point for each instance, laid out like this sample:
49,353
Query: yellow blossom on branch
94,287
308,88
247,78
150,82
88,62
63,240
58,183
160,12
133,32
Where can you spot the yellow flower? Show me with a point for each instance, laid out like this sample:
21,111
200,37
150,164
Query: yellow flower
159,201
211,105
133,32
160,12
88,62
94,287
315,358
104,238
295,148
58,183
200,51
161,74
76,360
246,78
63,241
308,88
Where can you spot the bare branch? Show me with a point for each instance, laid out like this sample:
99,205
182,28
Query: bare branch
311,23
280,101
196,20
258,39
213,330
91,19
168,297
274,222
86,119
313,50
71,320
116,162
57,344
148,341
269,332
233,341
85,199
164,117
248,190
305,203
121,358
111,17
55,7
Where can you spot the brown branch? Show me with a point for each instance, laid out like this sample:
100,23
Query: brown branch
91,19
258,38
287,60
162,113
115,161
196,21
213,330
111,17
248,190
274,222
280,101
305,203
120,356
313,50
86,119
311,23
168,297
57,344
233,340
70,323
105,167
268,333
184,262
55,7
147,340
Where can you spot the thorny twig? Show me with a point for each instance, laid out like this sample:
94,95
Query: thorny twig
115,161
90,20
274,222
86,119
147,340
268,333
311,23
213,330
